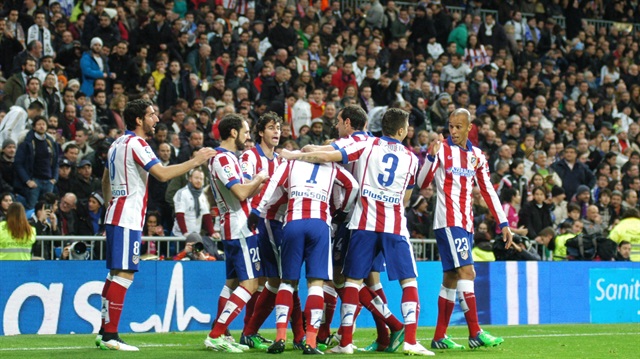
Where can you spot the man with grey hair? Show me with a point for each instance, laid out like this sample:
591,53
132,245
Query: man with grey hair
277,87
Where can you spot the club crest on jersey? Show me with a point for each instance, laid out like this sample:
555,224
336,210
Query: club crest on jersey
256,265
135,259
473,160
464,255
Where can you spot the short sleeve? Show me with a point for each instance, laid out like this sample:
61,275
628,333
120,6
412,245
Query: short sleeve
143,154
226,170
353,152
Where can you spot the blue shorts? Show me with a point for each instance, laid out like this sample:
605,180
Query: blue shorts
308,241
269,242
242,258
123,248
365,248
454,245
340,243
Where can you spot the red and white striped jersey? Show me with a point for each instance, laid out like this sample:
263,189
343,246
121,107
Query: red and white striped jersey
385,169
129,160
455,171
254,161
348,141
225,173
309,187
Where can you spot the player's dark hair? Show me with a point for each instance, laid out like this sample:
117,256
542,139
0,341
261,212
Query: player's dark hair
356,115
264,121
393,120
133,110
230,122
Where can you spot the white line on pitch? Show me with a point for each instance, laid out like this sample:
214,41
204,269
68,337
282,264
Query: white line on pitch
188,344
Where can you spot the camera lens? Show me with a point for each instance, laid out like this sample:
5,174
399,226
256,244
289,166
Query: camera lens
198,247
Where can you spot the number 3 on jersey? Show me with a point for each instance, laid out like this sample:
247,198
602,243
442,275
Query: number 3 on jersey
391,163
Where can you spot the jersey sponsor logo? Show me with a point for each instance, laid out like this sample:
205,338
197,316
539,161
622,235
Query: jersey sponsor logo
381,195
119,190
461,171
307,193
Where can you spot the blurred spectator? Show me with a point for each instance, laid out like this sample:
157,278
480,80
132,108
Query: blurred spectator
67,215
152,228
39,32
15,121
192,207
32,95
91,216
45,222
6,199
63,185
84,184
194,250
16,235
94,66
628,229
36,163
7,171
593,222
624,251
536,214
573,173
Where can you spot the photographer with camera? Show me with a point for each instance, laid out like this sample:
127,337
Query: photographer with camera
75,251
194,250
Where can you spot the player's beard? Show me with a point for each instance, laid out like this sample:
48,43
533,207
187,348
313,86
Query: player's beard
148,130
239,144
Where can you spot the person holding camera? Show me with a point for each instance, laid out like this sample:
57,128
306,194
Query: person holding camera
16,235
194,250
45,222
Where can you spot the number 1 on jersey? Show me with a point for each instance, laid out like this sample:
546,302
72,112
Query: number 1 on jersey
314,173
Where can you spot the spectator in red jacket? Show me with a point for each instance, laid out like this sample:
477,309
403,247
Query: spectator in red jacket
343,78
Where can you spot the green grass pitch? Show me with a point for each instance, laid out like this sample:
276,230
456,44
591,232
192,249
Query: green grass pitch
525,341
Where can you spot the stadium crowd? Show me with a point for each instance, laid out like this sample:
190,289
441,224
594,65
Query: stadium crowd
556,109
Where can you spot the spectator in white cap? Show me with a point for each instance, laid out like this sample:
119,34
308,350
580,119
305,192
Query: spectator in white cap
93,66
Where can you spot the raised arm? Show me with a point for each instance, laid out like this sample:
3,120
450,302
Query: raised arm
313,157
163,174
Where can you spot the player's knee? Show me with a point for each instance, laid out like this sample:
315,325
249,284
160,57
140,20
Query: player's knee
467,273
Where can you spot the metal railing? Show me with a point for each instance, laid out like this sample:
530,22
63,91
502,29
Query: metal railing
424,249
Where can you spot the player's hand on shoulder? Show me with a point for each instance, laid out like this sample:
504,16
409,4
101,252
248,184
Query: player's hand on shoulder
204,154
307,148
435,146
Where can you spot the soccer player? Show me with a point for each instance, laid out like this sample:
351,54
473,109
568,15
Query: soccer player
351,125
124,185
253,161
386,173
456,165
306,238
232,192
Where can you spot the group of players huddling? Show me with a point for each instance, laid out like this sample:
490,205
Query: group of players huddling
338,209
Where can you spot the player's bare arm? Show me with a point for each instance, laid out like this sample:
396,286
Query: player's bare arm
315,148
313,157
435,146
164,174
249,189
106,185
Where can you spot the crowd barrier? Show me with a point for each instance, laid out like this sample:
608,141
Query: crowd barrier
62,297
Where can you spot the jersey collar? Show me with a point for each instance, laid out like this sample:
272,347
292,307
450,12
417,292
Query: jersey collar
365,133
389,139
261,153
221,149
130,133
469,144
